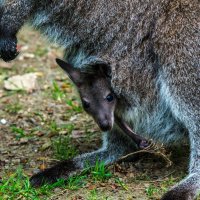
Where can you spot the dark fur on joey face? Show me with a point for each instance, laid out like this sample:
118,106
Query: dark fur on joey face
96,95
99,101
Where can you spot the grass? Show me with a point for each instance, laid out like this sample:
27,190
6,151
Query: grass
19,132
13,108
74,106
41,52
99,172
168,183
76,182
121,184
93,195
15,92
56,92
17,186
55,128
30,69
63,148
40,115
151,191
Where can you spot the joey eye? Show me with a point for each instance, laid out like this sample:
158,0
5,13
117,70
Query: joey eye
110,98
86,104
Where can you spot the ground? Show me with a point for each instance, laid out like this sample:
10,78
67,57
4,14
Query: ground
39,127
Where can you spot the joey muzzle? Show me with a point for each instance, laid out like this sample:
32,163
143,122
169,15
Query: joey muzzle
105,124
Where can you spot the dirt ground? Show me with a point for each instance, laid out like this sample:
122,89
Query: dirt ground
33,121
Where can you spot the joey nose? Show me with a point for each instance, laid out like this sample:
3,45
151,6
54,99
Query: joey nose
105,125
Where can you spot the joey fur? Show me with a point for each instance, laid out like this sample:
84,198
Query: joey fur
152,48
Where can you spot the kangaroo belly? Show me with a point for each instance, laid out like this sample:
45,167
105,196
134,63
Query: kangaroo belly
157,124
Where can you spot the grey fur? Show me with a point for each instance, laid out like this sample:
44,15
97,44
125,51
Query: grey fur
152,47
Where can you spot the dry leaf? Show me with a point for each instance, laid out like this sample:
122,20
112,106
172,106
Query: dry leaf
27,82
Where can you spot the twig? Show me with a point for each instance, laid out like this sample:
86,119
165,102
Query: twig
151,151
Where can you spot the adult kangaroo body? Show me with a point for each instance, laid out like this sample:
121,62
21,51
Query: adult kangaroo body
152,48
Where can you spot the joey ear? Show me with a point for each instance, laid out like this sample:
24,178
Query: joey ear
73,73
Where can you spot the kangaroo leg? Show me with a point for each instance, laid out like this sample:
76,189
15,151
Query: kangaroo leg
13,15
114,146
188,188
184,100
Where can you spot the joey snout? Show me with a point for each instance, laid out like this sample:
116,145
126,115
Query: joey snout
105,123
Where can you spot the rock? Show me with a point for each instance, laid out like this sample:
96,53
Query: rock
1,92
73,118
77,134
27,82
16,161
5,65
46,145
24,48
3,121
35,171
26,56
23,141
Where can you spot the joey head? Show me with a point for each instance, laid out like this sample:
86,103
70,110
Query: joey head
97,98
96,95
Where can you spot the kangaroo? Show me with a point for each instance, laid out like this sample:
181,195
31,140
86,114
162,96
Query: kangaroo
152,48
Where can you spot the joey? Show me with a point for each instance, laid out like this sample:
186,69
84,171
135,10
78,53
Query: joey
98,99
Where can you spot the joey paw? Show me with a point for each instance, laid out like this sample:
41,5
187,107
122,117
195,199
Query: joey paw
42,178
144,144
51,175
